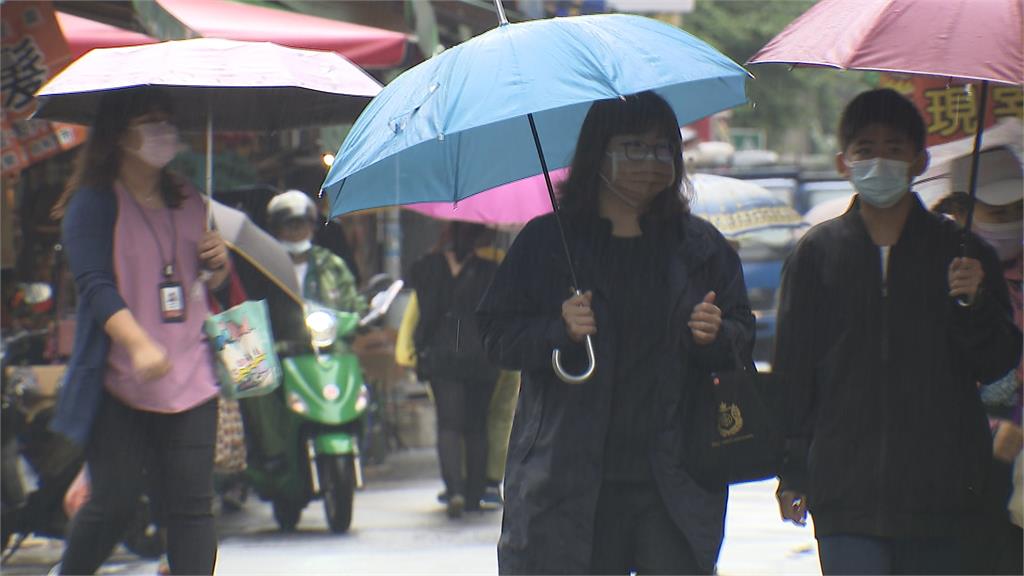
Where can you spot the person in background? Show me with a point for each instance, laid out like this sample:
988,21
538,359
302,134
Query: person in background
502,405
996,546
323,279
596,481
323,276
884,329
446,352
331,235
140,391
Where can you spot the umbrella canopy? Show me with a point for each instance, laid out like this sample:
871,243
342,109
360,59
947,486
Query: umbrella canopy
738,207
260,249
457,124
978,40
235,85
513,203
954,38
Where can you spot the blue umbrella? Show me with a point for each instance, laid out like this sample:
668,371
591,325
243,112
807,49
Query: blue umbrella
509,104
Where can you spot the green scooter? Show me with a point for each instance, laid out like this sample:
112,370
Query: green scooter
325,400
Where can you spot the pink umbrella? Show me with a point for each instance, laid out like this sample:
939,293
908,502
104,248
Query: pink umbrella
513,203
974,39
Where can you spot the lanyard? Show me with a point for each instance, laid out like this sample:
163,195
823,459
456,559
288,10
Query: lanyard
167,263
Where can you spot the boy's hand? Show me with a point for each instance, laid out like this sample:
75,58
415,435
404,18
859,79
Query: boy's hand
705,320
1008,441
965,276
579,317
792,506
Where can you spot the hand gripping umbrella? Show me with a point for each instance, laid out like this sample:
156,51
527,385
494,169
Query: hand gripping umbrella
509,104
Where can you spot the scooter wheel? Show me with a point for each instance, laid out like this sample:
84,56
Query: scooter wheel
337,486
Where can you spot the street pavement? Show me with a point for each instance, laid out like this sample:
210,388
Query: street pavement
399,528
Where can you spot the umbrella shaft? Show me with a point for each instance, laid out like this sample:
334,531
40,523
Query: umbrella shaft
502,20
554,201
975,159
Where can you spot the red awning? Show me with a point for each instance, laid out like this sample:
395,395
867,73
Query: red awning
83,35
364,45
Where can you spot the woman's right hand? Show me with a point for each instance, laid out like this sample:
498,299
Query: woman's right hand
150,361
579,317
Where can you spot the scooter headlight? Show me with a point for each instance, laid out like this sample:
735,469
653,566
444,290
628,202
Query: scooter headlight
323,328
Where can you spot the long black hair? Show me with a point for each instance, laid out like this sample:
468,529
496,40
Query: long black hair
99,161
636,113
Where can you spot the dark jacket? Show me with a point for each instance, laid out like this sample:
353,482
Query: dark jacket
888,436
555,469
88,239
446,337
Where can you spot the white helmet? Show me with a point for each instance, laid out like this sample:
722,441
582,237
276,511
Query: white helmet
288,205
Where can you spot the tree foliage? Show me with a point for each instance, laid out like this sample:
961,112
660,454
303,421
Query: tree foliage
805,100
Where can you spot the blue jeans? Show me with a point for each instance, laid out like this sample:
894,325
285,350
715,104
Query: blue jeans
855,554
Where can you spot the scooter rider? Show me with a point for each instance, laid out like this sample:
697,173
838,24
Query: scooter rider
324,278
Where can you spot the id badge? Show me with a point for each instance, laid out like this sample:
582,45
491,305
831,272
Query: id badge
172,302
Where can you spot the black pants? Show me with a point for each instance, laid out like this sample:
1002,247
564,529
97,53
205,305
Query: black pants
177,449
634,532
857,554
462,408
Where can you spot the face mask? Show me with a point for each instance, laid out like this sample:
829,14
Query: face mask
1006,237
159,143
620,190
297,248
881,182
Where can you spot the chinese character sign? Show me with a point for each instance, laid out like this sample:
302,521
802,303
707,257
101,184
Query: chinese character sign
33,49
950,108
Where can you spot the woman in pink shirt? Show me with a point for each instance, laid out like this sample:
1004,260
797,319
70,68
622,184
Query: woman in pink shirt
140,392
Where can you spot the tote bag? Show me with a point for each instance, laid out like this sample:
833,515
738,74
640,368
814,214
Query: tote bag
243,350
735,427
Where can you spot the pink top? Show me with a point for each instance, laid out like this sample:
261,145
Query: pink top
138,267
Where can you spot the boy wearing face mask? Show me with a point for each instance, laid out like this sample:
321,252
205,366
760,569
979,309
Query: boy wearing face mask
884,329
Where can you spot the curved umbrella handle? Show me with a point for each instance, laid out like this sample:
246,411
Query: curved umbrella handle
556,363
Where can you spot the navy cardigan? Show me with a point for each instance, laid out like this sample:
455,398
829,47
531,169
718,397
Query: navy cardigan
88,239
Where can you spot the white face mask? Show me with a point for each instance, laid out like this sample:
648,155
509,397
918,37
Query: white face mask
297,248
159,143
1006,237
632,183
881,182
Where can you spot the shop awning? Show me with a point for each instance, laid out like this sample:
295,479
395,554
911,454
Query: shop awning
366,46
83,35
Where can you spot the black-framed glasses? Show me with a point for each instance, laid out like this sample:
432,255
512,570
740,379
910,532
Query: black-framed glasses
636,150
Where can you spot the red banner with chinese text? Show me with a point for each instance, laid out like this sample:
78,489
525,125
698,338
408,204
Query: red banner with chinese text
33,50
950,108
